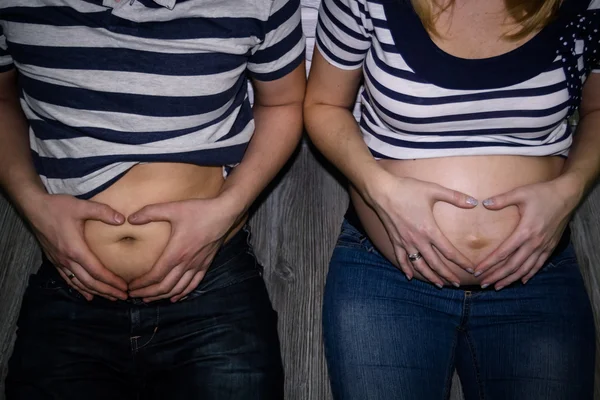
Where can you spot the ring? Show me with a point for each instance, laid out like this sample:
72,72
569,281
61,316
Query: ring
414,257
71,276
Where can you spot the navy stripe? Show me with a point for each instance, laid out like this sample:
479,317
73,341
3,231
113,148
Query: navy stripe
274,52
126,60
395,142
348,31
476,132
6,68
66,168
282,15
340,44
183,28
158,106
281,72
334,57
400,73
464,98
473,116
46,129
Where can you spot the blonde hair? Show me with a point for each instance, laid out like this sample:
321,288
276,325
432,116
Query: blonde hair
531,15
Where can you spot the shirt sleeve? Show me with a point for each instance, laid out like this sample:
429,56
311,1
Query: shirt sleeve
6,61
342,34
283,47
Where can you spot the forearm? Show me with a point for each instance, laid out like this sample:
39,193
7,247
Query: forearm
278,130
583,164
18,177
335,132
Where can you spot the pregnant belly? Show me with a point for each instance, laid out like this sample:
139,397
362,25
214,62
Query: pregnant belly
131,250
475,232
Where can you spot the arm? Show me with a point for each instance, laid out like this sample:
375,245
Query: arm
57,221
195,240
546,208
278,120
404,203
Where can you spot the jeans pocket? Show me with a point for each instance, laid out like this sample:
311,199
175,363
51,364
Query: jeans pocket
350,237
41,284
565,258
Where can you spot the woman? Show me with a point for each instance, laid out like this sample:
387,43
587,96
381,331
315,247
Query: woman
145,157
465,178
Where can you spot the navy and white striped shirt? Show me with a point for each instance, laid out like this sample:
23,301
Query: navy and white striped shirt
420,102
108,84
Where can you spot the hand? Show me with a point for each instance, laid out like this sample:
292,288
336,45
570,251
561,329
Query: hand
198,229
405,207
545,210
58,223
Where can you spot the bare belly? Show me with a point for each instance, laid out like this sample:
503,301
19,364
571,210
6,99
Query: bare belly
131,250
475,232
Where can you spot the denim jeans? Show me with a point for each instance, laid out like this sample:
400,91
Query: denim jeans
390,338
220,343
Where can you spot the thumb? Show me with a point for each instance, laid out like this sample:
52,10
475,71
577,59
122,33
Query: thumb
501,201
102,212
151,213
454,197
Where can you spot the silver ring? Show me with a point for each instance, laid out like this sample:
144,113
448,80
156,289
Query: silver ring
414,257
71,275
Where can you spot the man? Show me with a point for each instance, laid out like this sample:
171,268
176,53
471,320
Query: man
134,155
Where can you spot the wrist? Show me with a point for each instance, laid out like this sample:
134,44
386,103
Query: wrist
375,186
572,187
234,203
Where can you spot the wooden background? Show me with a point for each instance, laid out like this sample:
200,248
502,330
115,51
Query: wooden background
294,226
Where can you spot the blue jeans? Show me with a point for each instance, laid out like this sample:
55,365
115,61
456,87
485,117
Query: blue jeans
390,338
220,343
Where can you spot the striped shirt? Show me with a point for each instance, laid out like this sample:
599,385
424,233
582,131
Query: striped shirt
420,102
108,84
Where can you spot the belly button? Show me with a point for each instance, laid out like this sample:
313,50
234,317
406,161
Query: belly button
127,239
477,243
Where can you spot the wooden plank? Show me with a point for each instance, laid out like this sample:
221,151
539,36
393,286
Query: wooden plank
19,256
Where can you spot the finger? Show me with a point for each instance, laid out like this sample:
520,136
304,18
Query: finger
447,249
502,253
192,286
516,261
519,273
85,294
512,198
436,264
162,287
454,197
540,263
95,270
421,266
152,213
183,282
92,210
91,283
403,262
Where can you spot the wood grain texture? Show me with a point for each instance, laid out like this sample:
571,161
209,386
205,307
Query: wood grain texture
19,256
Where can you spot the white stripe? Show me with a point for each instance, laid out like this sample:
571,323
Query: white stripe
71,36
135,82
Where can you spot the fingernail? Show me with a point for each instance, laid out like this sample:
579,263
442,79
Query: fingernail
485,285
488,202
439,285
456,284
472,201
499,288
477,273
408,277
119,219
132,217
525,281
470,270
